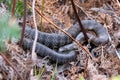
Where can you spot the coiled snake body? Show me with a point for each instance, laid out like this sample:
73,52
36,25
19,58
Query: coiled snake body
47,41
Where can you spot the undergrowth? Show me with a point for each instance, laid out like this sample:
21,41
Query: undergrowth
19,11
9,30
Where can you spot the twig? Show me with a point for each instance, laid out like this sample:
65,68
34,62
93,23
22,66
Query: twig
118,54
42,9
85,72
13,7
36,32
24,23
34,56
82,10
63,31
8,61
79,21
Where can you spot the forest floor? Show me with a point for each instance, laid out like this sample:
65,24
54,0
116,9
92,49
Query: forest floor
106,64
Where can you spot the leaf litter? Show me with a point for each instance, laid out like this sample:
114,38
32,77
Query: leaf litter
107,12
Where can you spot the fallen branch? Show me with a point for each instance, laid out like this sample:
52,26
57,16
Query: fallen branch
10,63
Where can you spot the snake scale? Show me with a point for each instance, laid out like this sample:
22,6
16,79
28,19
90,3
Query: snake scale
48,41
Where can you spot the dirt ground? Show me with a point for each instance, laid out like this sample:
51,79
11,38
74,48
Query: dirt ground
106,64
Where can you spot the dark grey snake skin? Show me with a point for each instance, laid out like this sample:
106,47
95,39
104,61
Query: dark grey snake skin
53,40
49,41
43,51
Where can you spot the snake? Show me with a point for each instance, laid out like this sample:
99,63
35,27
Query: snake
46,42
43,51
54,40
